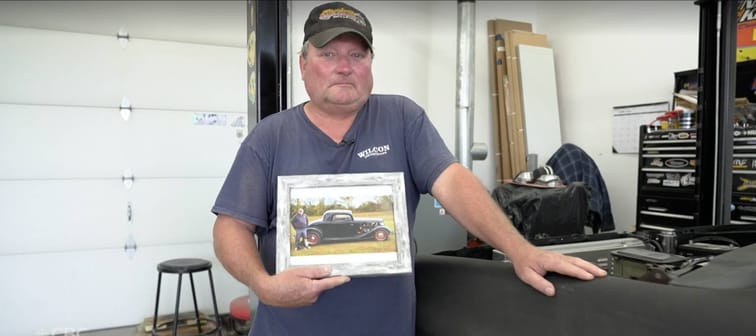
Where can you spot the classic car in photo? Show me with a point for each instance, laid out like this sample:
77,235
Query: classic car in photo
342,226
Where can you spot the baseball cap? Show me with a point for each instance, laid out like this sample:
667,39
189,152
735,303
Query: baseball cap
333,19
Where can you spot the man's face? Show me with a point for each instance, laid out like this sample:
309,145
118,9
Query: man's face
338,77
300,211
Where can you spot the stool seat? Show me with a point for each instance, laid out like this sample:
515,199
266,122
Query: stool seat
184,265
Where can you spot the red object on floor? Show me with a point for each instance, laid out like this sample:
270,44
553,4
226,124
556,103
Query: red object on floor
239,308
474,242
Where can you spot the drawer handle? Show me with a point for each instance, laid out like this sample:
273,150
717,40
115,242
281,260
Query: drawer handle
661,214
657,209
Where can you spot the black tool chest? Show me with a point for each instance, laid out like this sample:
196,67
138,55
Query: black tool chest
744,176
668,196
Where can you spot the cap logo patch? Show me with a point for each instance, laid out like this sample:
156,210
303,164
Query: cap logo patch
342,13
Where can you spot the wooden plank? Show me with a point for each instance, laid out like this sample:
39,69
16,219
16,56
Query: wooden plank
516,128
492,87
503,152
503,26
511,129
505,159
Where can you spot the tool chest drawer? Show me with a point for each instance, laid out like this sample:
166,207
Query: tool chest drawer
666,212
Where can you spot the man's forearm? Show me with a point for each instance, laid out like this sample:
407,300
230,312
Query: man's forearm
236,249
467,201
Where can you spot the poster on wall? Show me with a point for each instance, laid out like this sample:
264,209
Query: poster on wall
746,31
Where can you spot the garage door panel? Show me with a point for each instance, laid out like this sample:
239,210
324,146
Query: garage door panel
79,142
184,76
73,69
60,68
71,215
86,281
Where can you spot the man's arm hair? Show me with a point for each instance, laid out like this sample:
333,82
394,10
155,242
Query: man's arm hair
236,249
469,203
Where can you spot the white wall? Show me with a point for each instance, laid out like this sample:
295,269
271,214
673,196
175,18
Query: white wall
609,54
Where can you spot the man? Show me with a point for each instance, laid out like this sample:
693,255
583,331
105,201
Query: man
325,136
299,222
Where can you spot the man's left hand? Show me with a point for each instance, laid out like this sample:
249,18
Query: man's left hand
532,266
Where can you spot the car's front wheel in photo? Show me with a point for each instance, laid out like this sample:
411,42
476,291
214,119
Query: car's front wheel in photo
313,237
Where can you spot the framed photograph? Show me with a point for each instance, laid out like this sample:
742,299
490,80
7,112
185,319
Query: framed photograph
355,223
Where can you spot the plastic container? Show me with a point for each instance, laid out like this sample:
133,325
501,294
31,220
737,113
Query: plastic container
663,122
673,119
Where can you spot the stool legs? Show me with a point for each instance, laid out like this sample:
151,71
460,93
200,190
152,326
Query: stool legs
196,310
176,311
157,302
215,305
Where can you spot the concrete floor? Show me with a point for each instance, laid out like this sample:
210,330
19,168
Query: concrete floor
134,330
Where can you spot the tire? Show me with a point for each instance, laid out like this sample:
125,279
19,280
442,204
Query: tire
313,237
381,234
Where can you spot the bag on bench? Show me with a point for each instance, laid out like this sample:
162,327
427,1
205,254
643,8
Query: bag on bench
541,212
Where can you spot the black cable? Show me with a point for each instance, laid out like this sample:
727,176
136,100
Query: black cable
646,240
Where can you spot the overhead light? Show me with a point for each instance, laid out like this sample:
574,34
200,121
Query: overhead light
125,109
123,37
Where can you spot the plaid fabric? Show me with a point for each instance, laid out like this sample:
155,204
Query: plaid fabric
572,164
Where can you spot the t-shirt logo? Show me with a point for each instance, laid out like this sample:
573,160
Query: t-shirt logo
374,151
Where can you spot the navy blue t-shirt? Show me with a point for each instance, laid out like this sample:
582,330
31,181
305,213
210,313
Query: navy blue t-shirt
389,134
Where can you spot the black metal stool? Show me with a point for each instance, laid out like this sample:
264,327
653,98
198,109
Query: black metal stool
181,266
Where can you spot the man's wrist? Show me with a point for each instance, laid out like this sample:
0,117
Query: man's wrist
517,248
257,280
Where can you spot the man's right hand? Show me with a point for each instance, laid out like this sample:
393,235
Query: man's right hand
236,249
297,287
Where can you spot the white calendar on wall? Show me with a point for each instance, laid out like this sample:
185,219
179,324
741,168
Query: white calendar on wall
626,122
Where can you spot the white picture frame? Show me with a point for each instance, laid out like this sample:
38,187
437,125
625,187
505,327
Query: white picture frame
356,223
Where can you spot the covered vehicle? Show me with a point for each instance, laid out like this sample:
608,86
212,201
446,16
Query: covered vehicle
342,226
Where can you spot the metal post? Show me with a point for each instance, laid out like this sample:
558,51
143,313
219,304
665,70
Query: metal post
465,150
727,75
267,45
706,115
